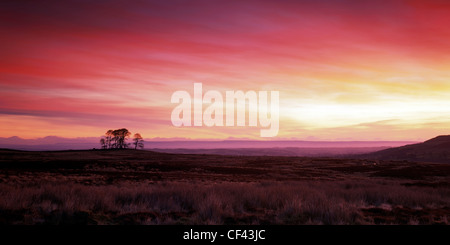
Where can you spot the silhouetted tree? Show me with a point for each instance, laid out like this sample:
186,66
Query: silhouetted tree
120,136
103,143
138,141
108,139
115,139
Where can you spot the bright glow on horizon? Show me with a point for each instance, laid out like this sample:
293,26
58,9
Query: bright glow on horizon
357,70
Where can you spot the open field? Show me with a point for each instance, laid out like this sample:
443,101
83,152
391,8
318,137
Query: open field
143,187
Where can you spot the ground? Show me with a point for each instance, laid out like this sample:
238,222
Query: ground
144,187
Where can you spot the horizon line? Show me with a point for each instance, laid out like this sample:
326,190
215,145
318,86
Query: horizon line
179,139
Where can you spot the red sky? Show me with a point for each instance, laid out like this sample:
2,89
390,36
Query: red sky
356,70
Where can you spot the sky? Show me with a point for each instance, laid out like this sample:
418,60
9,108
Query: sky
344,69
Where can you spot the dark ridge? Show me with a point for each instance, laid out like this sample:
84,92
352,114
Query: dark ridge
439,139
435,150
6,149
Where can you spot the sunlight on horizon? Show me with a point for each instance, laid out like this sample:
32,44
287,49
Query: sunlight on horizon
358,71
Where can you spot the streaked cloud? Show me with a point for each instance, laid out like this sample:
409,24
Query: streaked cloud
341,67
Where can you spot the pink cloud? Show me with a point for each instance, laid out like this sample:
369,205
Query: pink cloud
85,60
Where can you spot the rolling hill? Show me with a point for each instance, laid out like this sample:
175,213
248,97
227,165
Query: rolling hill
434,150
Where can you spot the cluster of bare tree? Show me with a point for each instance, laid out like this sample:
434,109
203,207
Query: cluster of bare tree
117,139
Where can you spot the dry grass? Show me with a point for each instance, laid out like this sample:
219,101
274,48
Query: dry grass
307,202
141,187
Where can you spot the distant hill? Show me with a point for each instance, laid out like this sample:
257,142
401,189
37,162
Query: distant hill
291,147
277,151
49,143
433,150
